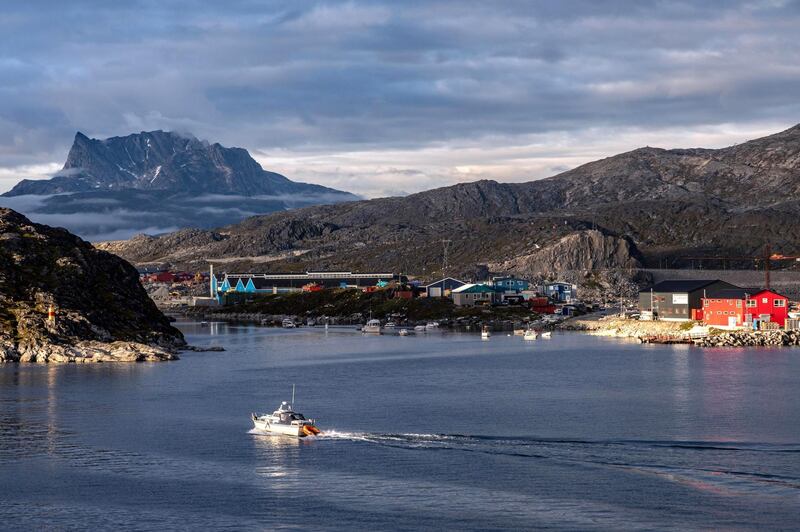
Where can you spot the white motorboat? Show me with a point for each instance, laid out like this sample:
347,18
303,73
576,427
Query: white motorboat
403,332
432,325
372,327
547,334
288,323
530,334
485,333
286,421
390,325
419,328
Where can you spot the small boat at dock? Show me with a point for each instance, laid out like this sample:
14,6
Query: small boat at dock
530,334
485,333
546,334
372,327
288,323
403,332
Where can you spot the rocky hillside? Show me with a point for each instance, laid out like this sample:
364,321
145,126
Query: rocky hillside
648,206
102,311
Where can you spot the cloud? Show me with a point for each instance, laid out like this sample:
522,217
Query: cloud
383,97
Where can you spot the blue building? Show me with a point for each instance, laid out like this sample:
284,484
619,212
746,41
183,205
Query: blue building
443,287
559,292
510,283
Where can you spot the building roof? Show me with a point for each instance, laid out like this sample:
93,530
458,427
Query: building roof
732,293
473,289
684,285
445,279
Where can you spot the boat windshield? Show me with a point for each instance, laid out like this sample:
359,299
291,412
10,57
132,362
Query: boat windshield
298,416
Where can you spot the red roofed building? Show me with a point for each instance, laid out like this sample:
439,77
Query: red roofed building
740,307
165,277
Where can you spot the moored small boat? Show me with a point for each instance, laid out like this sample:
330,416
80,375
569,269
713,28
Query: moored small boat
547,334
403,332
372,327
530,334
288,323
485,333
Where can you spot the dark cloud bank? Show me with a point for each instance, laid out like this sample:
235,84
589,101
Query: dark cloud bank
309,83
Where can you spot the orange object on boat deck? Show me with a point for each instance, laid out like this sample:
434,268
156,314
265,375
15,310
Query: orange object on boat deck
310,430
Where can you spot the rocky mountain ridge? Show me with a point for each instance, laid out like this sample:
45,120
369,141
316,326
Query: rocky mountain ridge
102,313
164,161
648,205
158,182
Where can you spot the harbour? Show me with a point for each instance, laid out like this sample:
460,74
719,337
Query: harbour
429,430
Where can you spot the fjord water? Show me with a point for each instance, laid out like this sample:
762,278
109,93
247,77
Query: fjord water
434,430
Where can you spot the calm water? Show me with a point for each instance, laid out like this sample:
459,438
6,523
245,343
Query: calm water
441,430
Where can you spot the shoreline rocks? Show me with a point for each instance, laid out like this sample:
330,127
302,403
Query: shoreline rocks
751,339
88,352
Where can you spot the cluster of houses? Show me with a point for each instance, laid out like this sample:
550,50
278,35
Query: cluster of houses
503,290
496,291
716,303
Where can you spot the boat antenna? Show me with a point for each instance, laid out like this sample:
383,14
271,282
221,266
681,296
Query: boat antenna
292,395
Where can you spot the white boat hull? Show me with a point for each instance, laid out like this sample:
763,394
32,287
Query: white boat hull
279,428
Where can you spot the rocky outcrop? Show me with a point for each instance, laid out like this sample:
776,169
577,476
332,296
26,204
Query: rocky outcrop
102,313
578,252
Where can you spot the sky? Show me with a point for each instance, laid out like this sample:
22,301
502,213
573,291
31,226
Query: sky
385,98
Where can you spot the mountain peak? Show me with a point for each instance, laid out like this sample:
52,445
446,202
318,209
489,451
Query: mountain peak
165,161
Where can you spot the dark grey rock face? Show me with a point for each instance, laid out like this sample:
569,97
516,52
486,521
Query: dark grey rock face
97,297
157,182
164,161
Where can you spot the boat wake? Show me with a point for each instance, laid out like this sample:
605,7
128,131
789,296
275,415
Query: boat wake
701,464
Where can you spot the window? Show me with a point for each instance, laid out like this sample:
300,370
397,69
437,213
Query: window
751,303
780,302
764,300
706,302
738,303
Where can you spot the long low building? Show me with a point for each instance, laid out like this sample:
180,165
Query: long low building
291,282
679,300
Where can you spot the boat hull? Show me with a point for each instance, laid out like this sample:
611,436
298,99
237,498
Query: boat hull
279,428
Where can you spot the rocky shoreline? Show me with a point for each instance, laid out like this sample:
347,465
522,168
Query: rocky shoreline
622,328
751,339
676,332
87,352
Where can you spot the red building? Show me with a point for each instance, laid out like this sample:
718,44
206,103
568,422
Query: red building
165,277
740,307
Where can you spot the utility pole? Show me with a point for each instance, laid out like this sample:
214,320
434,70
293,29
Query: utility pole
211,280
